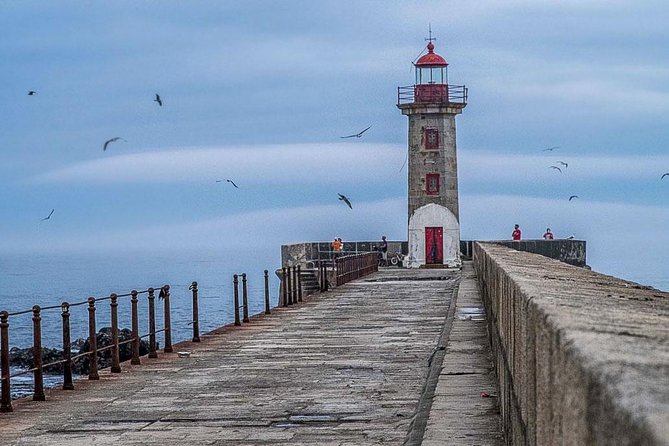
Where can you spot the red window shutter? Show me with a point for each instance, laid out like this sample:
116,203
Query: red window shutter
432,184
431,139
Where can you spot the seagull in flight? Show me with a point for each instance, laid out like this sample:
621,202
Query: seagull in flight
550,149
229,181
32,93
563,163
109,141
158,100
664,175
572,197
556,168
357,135
48,216
345,199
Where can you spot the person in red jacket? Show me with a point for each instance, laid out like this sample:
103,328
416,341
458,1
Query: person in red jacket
516,234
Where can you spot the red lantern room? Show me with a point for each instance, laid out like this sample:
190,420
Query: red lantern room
431,77
431,86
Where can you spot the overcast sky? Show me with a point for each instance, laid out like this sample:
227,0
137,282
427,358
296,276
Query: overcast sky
261,92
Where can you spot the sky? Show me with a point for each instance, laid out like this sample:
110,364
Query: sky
261,91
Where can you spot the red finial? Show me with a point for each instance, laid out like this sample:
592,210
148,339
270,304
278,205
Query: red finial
430,47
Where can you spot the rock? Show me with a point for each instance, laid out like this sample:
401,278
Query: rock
23,357
104,339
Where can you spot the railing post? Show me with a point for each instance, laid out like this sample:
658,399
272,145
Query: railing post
92,341
38,374
135,329
294,280
235,282
245,299
165,292
115,359
6,404
266,277
196,314
67,348
289,286
284,287
320,276
152,324
299,283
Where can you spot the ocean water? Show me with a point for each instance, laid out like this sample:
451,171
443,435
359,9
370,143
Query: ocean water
46,280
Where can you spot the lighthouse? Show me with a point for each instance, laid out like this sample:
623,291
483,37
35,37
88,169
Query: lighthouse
431,105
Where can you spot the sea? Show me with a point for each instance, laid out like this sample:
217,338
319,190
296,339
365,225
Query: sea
51,279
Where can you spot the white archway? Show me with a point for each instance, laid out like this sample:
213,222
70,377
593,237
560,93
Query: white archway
434,215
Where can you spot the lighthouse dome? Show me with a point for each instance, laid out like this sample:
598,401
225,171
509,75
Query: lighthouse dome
431,59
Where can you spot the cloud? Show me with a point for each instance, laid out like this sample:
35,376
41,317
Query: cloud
264,229
489,166
267,164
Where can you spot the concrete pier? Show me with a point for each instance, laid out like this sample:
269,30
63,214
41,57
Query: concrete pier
347,367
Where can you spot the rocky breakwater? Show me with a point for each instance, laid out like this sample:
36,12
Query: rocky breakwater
23,357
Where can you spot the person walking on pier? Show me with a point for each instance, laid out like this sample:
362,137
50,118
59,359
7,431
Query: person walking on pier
336,246
548,235
516,234
383,247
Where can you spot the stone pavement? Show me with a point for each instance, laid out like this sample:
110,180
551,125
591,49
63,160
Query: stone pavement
464,409
347,367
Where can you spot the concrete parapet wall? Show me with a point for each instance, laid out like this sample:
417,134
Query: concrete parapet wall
564,250
303,253
581,358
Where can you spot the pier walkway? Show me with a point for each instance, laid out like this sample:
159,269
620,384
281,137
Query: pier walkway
358,365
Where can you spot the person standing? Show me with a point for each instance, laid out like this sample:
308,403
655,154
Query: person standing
336,247
516,234
548,235
383,247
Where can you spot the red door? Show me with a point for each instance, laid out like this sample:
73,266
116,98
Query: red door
434,245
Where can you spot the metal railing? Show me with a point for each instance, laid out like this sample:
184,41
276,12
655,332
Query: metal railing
291,285
452,94
93,350
348,268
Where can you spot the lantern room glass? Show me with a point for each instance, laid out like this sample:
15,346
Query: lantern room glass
431,75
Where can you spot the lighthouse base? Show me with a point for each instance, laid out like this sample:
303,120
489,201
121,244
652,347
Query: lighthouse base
434,238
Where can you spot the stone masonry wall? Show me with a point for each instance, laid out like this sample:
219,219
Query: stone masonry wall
581,357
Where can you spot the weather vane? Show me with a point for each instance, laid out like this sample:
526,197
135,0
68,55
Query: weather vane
429,27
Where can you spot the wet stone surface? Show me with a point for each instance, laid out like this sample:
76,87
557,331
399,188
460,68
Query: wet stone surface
345,367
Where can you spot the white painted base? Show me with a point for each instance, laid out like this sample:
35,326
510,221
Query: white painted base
433,215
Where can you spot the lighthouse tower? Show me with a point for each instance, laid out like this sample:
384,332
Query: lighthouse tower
431,105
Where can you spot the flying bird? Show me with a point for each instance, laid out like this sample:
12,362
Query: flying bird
48,216
158,100
109,141
572,197
345,199
357,135
563,163
556,168
32,93
550,149
229,181
664,175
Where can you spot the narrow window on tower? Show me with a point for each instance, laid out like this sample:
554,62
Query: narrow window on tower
431,139
432,184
